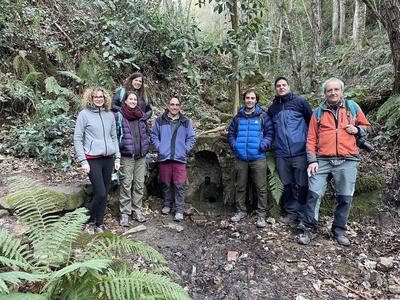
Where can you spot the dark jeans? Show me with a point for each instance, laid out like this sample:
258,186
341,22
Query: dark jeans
293,174
100,177
257,171
173,176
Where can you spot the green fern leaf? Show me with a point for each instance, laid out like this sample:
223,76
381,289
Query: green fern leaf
16,277
110,247
55,246
390,110
137,285
71,75
12,252
274,181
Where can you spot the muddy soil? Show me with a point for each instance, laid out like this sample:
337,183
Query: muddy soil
219,260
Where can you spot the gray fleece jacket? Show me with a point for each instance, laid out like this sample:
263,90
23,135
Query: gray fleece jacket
95,134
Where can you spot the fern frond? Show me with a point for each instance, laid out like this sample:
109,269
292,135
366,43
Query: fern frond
165,271
79,276
55,246
16,277
71,75
274,181
110,247
36,210
390,110
21,183
13,252
23,296
137,285
53,87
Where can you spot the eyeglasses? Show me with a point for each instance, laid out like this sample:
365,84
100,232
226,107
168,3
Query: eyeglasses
98,97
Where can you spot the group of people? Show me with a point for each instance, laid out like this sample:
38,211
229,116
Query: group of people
111,134
310,148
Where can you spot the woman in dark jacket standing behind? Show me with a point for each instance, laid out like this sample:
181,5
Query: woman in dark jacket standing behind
134,145
96,146
135,83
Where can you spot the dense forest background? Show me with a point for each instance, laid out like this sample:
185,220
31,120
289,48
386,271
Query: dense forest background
206,51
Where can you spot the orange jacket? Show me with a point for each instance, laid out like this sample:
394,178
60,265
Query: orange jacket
329,138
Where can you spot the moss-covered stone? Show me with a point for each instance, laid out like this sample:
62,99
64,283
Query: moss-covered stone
66,198
369,183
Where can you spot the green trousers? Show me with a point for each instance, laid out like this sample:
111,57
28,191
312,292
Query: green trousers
256,170
132,184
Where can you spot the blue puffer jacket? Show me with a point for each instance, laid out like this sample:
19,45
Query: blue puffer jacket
173,145
246,137
290,115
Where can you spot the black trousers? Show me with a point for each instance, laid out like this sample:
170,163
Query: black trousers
100,177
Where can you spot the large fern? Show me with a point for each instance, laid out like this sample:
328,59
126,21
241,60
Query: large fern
65,270
389,112
274,181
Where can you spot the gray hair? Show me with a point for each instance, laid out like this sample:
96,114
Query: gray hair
332,79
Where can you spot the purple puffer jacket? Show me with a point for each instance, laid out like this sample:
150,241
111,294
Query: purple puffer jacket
126,144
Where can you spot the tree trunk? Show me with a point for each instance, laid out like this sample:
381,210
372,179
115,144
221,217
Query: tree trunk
342,20
296,65
335,21
317,33
234,12
388,13
359,24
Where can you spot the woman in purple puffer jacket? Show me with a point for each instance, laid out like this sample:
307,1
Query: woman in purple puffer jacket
134,144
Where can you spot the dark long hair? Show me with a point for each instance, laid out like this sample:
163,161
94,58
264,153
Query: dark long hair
128,85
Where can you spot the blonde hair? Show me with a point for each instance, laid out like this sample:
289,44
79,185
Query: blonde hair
87,99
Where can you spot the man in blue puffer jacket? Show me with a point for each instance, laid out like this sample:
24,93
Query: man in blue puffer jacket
250,135
290,115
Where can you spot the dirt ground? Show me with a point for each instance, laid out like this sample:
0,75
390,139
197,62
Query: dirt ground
219,260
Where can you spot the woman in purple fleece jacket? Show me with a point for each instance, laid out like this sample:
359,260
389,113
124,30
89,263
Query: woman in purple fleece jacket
134,145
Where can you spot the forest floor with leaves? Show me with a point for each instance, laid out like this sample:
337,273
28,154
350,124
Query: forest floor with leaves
219,260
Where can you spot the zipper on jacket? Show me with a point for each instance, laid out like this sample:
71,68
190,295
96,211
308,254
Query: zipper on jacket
104,131
286,130
336,116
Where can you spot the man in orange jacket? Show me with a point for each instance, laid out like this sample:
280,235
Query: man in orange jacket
332,149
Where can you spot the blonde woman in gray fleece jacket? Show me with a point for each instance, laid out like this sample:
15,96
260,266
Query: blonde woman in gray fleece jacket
96,147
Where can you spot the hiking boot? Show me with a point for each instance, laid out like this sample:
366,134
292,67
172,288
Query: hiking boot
240,215
89,228
178,217
124,222
306,237
342,240
286,220
166,210
261,222
99,229
139,216
301,226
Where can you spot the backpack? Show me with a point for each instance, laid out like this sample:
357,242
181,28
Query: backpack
349,105
120,131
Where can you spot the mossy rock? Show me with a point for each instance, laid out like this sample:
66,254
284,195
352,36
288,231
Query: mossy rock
369,183
363,205
66,198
